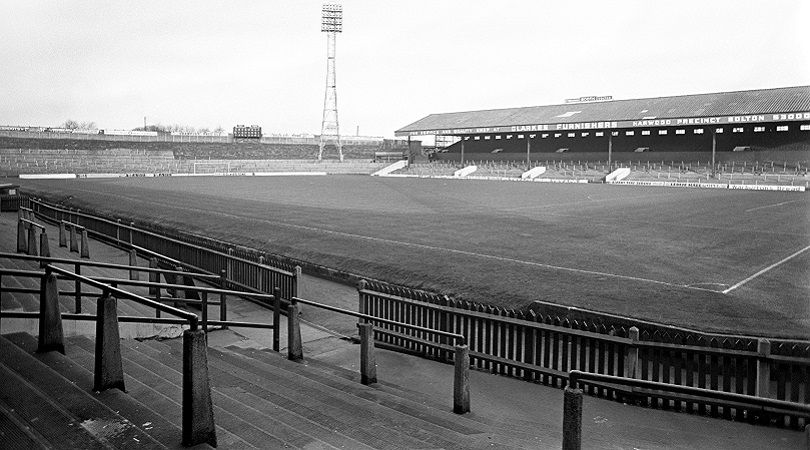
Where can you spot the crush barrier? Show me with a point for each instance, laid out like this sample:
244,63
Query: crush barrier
107,324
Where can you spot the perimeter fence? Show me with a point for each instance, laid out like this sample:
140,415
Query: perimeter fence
242,267
544,348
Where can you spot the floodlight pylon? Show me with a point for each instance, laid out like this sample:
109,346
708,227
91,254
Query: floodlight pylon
331,24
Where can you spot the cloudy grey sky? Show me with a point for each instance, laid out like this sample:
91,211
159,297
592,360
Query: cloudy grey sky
209,63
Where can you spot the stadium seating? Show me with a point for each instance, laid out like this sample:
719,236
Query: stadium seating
437,168
49,156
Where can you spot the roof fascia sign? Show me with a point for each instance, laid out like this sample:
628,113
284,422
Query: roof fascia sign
672,122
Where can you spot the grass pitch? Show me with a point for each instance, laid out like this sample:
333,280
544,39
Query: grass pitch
715,260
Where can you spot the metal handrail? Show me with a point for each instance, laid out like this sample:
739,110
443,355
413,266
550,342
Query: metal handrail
176,262
209,290
135,319
767,404
190,317
459,338
101,283
72,225
84,262
34,224
20,273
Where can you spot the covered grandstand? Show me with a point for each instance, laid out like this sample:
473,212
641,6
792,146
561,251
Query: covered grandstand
757,126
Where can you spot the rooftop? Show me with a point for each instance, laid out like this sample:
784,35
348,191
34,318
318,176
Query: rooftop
762,105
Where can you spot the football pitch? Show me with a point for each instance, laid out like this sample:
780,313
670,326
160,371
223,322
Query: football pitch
714,260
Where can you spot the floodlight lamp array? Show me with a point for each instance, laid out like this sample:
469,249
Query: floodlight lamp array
332,18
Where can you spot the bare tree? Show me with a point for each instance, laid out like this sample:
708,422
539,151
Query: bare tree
70,124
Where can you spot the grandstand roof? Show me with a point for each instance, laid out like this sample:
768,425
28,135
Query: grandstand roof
762,105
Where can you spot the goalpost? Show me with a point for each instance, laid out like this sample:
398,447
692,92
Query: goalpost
211,167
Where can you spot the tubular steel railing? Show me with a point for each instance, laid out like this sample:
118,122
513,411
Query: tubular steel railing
110,285
191,317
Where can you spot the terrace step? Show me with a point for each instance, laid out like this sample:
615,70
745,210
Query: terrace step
150,389
158,427
329,406
468,430
49,410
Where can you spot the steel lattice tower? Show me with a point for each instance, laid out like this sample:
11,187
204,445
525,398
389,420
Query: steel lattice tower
331,24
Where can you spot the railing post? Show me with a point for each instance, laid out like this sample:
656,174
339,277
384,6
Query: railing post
85,244
154,277
62,235
22,239
260,274
133,261
763,368
198,411
32,240
276,317
368,362
631,355
445,319
229,265
178,293
204,310
572,418
157,299
77,288
223,305
131,226
461,380
74,242
295,350
109,371
296,282
51,336
44,248
807,435
362,307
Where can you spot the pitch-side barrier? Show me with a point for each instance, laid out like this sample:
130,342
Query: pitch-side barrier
70,176
691,184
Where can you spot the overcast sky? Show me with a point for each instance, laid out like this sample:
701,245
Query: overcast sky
209,63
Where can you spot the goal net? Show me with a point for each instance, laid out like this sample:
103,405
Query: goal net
211,167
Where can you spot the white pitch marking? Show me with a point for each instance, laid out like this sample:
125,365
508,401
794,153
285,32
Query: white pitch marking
771,206
772,266
429,247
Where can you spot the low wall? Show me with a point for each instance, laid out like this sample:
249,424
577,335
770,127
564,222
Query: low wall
465,171
533,173
698,185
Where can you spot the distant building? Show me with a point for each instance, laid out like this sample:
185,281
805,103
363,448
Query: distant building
244,132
